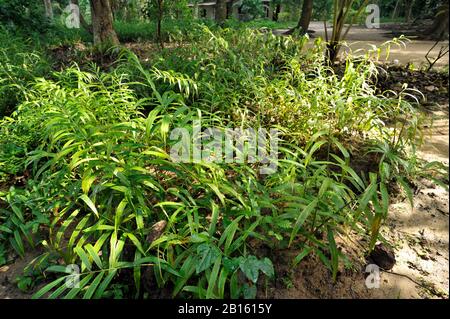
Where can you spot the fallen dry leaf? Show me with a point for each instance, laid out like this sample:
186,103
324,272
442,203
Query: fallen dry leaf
157,230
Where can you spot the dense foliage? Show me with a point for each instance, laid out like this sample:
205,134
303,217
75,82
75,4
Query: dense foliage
95,147
86,173
20,15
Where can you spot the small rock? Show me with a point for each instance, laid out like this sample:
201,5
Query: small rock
383,257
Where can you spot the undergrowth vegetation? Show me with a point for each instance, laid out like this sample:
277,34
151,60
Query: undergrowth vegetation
101,191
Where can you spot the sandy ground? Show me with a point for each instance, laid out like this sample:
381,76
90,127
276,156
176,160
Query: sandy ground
421,233
363,38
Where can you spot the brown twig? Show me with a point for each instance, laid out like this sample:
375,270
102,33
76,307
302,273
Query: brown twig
441,54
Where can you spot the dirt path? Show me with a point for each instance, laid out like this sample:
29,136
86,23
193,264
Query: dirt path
421,233
363,38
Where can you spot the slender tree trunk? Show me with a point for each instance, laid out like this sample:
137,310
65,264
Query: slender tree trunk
339,34
48,10
395,12
159,22
102,22
195,10
221,11
270,11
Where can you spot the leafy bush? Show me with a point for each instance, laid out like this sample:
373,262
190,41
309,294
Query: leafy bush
145,31
20,62
250,9
20,15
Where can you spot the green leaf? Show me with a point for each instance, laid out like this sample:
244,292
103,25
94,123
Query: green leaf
384,198
94,256
235,291
334,253
186,271
86,183
302,218
266,266
325,185
88,202
228,234
207,254
250,267
75,291
231,264
17,243
90,291
219,194
341,148
115,249
119,212
221,283
212,280
214,217
58,268
313,149
48,287
249,291
407,190
135,241
84,257
305,252
101,289
199,291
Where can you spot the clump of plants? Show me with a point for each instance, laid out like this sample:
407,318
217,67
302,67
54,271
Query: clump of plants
105,197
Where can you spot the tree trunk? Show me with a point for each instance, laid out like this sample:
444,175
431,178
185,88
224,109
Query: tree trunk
221,11
439,29
408,9
276,14
102,22
195,11
159,22
270,11
395,13
83,21
48,9
305,18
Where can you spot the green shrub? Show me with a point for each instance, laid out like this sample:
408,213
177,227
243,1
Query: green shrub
20,62
23,15
104,193
146,31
